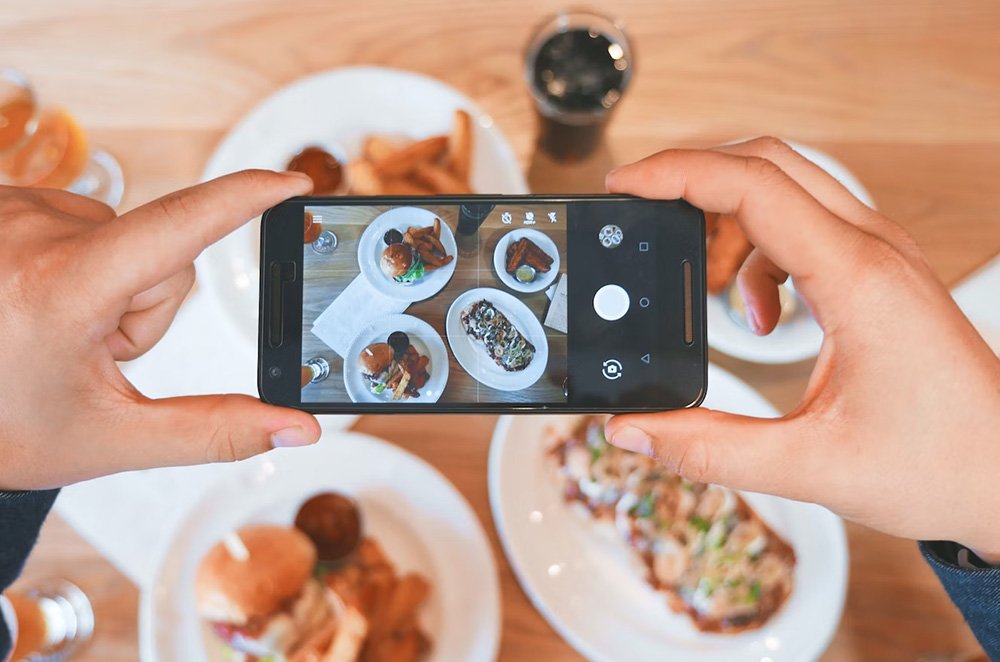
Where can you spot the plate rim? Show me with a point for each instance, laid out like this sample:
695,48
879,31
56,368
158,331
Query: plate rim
453,314
434,334
567,633
491,596
510,282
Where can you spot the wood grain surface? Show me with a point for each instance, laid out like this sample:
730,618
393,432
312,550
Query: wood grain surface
906,93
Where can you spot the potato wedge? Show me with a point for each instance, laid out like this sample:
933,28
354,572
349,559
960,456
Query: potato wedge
460,146
401,162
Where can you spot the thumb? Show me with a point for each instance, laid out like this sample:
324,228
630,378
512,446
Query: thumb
708,446
213,428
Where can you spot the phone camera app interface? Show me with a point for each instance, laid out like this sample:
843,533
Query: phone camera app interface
443,303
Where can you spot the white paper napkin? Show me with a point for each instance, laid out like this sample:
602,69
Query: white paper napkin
356,306
979,298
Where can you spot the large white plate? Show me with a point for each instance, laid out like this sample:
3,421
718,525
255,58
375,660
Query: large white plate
424,339
421,520
371,246
587,588
340,106
801,337
471,353
543,241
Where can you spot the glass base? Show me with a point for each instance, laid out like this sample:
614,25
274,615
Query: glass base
101,180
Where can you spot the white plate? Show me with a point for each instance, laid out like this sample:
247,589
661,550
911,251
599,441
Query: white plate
424,339
339,106
471,353
420,519
586,586
542,280
801,337
370,247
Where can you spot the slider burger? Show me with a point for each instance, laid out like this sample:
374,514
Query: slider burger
377,363
257,591
401,263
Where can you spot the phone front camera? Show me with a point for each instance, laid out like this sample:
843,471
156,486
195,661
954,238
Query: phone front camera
274,372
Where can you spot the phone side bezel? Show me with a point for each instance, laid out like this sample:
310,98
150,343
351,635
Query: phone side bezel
291,210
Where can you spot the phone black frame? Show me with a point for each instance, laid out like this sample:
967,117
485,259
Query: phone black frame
288,357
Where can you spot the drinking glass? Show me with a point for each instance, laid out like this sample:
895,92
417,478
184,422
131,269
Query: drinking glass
578,65
50,620
45,147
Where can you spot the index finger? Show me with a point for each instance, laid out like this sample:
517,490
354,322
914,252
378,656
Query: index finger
151,243
777,214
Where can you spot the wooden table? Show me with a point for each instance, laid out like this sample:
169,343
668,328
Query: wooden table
906,93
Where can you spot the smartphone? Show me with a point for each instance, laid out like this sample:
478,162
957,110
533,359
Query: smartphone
482,304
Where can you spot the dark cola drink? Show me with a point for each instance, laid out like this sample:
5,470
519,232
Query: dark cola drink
578,66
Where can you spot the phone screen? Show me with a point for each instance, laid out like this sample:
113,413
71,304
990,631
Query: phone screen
439,303
484,304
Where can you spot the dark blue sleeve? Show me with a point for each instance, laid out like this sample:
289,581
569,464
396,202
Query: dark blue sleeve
974,587
21,516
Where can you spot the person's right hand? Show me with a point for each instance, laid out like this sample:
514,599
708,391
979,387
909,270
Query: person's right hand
899,426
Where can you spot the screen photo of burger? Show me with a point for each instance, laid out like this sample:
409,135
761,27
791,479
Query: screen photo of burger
318,591
457,303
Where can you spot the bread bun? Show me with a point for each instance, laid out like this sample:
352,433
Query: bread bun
396,260
374,359
281,561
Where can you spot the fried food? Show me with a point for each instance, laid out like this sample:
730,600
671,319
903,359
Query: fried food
524,251
460,146
404,161
440,180
727,250
364,179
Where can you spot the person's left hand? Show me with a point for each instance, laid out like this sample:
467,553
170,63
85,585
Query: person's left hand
82,288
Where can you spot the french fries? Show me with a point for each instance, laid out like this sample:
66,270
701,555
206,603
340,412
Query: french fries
379,621
404,161
427,242
460,146
436,165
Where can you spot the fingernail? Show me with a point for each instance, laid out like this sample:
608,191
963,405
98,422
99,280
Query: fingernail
633,439
289,437
752,321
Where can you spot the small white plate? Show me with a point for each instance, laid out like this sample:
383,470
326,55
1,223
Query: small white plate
340,106
471,353
589,589
420,519
801,337
424,339
542,280
371,245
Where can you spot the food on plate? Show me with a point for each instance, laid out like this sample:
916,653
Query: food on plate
713,556
460,146
267,597
727,249
333,523
505,344
391,366
323,169
435,165
409,255
526,253
256,589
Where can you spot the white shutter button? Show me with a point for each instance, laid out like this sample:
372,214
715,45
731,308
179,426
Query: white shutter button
611,302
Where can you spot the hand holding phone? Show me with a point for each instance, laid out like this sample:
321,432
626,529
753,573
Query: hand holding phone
482,304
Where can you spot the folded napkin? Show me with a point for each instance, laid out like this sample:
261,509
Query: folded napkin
356,306
978,298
